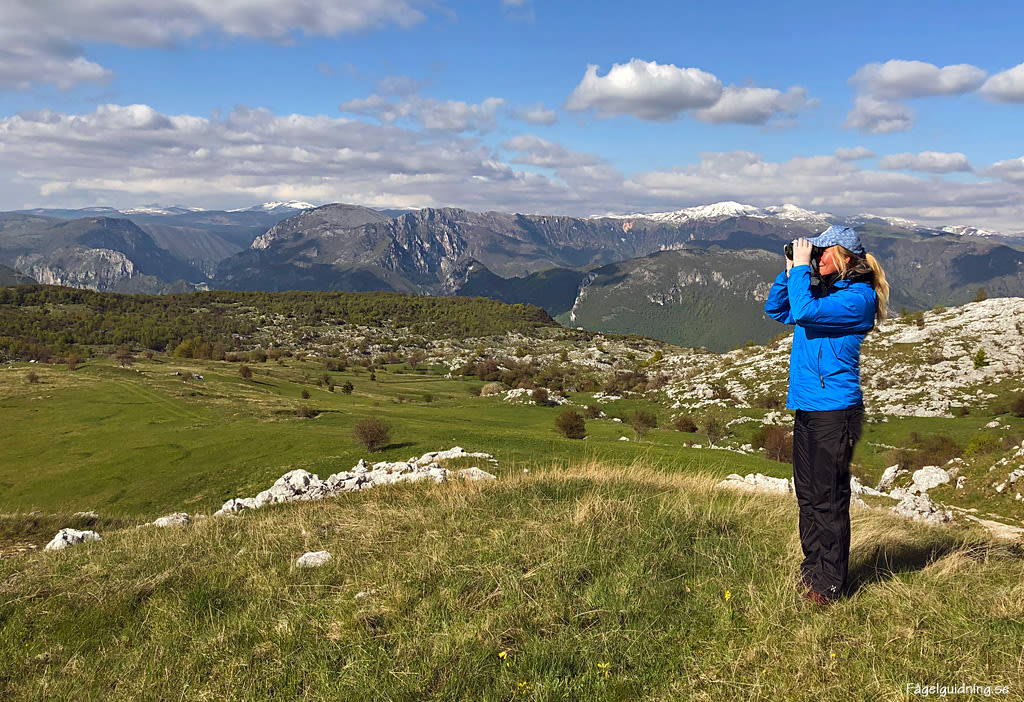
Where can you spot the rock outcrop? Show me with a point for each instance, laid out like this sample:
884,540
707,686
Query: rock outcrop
303,486
66,538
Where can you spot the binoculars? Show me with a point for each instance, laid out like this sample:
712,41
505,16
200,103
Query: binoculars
816,252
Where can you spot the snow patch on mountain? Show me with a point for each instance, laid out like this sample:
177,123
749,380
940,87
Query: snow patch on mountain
272,206
730,208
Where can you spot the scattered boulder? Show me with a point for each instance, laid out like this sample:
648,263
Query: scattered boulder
927,478
313,559
66,538
176,519
921,508
91,514
475,473
858,489
888,478
758,483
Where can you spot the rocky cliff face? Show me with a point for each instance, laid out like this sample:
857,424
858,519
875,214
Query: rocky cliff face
96,269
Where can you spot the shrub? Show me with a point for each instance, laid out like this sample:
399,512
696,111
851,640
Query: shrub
541,396
768,401
306,412
245,371
372,433
487,369
592,412
347,387
982,443
685,424
32,377
305,394
643,421
777,443
570,424
491,389
979,358
657,382
1017,406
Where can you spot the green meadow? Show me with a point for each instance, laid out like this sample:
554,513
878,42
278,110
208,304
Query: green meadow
141,441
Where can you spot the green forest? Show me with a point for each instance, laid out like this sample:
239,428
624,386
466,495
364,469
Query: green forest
42,323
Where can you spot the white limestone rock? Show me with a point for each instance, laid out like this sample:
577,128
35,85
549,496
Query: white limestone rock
176,519
236,505
857,488
888,478
66,538
927,478
921,508
313,559
758,483
475,473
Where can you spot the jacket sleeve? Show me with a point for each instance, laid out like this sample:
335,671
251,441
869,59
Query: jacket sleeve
777,304
844,311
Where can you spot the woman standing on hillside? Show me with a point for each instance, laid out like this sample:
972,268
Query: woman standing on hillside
832,308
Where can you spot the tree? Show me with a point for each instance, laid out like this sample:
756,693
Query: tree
124,355
714,426
372,433
245,371
347,387
981,295
570,424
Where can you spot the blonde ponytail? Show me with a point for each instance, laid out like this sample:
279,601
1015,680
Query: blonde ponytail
848,263
881,286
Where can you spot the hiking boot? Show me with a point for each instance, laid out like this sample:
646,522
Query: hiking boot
818,598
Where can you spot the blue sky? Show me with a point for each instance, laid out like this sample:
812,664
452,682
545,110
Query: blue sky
909,109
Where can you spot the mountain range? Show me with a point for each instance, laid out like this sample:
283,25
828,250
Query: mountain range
672,275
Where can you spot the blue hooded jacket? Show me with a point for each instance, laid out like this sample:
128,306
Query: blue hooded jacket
830,324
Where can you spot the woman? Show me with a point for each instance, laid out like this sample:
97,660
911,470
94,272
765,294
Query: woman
832,312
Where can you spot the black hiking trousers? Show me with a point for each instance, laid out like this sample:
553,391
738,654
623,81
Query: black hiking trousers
822,448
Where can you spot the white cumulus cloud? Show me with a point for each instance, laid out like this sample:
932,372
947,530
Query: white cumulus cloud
746,105
645,89
926,162
537,113
857,153
449,115
873,116
1010,170
535,151
898,79
41,39
1007,86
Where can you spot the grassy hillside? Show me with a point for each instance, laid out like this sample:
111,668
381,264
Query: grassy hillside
143,441
585,582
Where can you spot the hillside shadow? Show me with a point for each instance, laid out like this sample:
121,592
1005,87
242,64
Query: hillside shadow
880,562
404,444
